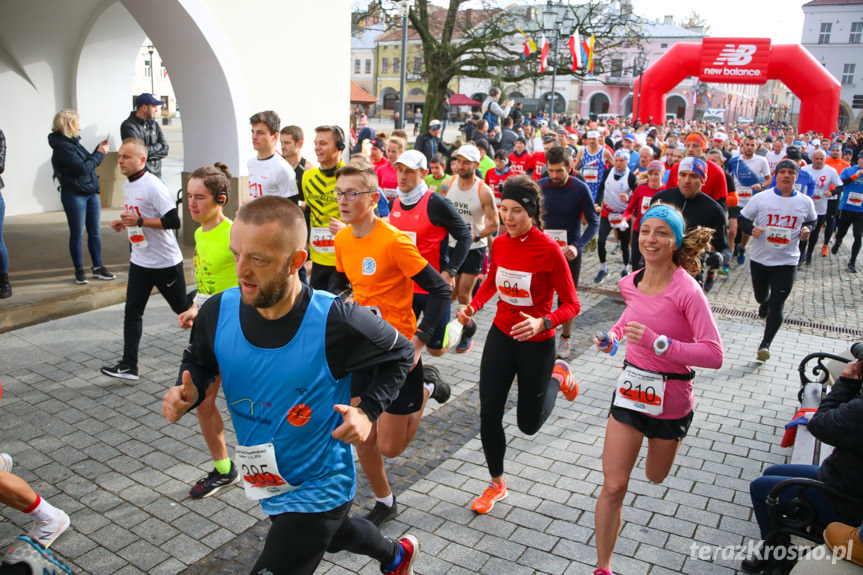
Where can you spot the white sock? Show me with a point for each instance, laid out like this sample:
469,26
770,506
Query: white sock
603,267
44,512
429,388
388,500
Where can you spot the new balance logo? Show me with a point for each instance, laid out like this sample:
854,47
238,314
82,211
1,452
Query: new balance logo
738,55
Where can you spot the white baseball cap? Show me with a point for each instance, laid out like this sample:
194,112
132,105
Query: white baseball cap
413,159
468,152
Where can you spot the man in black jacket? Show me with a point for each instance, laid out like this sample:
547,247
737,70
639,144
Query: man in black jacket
141,124
429,142
838,422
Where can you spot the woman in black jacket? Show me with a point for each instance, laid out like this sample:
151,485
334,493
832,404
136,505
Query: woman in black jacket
75,168
838,422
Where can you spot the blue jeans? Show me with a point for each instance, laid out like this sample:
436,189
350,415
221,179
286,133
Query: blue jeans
4,255
760,488
80,211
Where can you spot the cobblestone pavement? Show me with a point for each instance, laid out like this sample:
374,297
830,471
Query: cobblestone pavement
100,449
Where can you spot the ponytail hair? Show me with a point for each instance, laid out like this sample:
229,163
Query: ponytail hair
694,243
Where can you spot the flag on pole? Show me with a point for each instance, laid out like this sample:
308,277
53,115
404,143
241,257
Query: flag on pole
586,55
575,50
592,49
543,53
529,45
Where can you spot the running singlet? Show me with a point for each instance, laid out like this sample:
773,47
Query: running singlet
469,207
746,174
852,195
380,266
782,218
291,410
593,170
612,205
318,191
521,164
415,222
826,180
215,270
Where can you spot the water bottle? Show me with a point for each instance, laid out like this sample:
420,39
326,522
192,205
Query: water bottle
604,339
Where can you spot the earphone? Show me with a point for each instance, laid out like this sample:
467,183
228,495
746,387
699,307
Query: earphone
340,138
221,198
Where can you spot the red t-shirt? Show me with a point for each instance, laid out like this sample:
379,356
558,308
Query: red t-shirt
520,164
638,204
495,181
538,164
388,180
525,272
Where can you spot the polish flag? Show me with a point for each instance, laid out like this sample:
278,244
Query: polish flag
543,53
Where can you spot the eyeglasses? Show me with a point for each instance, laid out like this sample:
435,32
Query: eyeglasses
351,196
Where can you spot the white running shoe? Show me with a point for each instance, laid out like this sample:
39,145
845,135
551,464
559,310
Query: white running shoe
5,462
46,532
564,347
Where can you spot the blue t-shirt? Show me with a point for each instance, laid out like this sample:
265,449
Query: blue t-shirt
852,194
804,184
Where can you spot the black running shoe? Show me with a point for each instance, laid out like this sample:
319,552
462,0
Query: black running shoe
852,268
80,277
102,273
708,283
466,342
441,391
214,481
381,512
121,371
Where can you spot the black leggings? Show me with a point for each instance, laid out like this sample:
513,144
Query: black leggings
830,222
846,220
296,542
813,237
772,284
623,238
637,258
170,282
504,358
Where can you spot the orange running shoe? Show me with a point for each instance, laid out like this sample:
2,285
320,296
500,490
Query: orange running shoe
568,386
823,251
492,493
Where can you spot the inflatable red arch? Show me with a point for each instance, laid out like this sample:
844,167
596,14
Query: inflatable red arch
743,61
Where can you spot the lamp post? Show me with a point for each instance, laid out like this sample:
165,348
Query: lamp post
557,21
639,65
404,8
152,76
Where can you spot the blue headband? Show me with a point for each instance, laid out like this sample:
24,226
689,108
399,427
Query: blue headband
669,216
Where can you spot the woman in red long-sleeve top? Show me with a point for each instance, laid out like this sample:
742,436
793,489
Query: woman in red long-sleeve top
527,267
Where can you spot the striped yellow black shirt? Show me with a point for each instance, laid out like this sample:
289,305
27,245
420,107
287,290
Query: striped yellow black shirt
318,193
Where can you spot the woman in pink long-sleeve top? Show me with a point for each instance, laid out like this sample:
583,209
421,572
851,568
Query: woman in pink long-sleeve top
669,328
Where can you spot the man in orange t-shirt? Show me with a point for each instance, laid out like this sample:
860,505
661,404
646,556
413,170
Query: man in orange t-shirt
382,264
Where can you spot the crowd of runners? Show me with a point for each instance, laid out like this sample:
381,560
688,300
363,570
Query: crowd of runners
319,309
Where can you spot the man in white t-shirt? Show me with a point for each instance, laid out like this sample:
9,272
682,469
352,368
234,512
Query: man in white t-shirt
828,189
269,173
751,175
775,155
778,220
156,259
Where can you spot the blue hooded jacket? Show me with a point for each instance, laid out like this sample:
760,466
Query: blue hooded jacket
74,167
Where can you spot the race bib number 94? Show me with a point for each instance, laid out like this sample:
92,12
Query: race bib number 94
513,287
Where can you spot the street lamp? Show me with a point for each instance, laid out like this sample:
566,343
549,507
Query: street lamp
404,8
152,76
638,67
557,21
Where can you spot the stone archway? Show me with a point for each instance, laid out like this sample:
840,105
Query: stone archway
676,104
598,103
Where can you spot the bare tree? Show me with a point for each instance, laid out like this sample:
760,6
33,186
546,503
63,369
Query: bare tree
484,42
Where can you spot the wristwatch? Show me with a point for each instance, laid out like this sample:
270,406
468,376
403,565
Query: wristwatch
140,222
546,322
660,344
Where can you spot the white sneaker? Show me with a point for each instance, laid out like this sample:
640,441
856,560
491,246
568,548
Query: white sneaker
46,532
5,462
452,335
564,347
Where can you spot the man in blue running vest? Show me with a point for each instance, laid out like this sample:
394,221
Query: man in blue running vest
285,353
